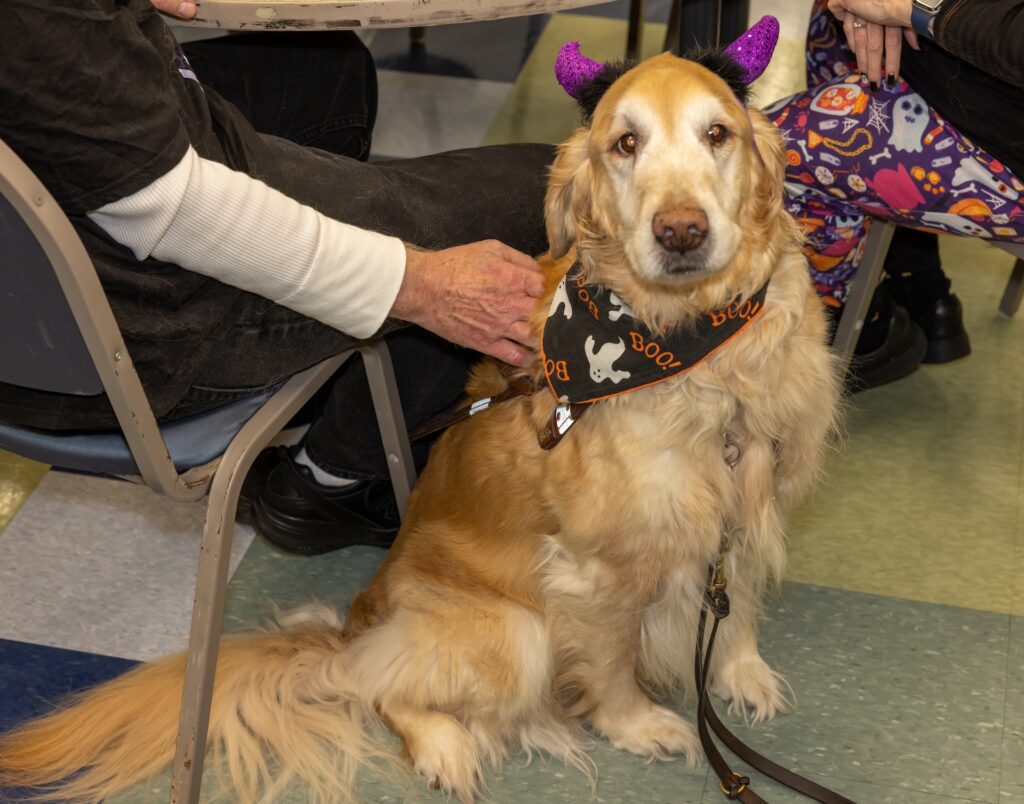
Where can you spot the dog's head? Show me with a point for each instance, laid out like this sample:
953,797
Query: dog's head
672,189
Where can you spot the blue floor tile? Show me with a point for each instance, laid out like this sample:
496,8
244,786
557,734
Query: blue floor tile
34,677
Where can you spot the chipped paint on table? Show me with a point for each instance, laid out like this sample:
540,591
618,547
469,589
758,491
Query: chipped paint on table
245,15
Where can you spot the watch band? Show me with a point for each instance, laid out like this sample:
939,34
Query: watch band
919,19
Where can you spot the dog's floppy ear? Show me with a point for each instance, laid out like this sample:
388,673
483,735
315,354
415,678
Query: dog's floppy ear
568,192
769,169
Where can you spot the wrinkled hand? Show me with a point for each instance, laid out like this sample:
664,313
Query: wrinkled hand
182,9
479,295
875,29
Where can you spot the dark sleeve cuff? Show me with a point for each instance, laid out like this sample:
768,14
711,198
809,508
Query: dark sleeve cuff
987,33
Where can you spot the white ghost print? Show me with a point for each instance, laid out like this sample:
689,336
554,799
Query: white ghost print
560,299
601,361
972,170
909,120
622,308
953,223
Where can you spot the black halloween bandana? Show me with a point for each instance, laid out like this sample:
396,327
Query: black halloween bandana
595,348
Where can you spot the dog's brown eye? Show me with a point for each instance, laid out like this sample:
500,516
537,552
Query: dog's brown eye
626,144
717,134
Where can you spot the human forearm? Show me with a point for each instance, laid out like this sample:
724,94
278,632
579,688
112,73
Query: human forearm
987,33
224,224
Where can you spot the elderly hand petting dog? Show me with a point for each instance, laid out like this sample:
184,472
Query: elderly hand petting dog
239,245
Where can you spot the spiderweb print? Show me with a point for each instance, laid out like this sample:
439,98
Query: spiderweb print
877,118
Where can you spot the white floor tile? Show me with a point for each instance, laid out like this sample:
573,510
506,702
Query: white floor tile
102,566
425,114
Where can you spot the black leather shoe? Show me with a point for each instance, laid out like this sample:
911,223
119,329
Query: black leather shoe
943,323
899,354
298,515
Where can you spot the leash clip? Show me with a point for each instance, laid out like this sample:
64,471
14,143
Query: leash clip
736,785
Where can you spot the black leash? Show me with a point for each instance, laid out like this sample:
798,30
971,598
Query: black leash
735,786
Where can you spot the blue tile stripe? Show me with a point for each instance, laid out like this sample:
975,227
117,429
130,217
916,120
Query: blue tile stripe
35,677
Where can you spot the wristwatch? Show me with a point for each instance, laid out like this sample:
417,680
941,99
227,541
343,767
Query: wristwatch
921,13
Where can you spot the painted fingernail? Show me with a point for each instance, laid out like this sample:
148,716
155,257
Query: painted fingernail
874,87
890,80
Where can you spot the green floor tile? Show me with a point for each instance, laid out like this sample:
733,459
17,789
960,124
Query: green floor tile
18,477
899,701
922,500
860,792
1011,783
267,578
892,693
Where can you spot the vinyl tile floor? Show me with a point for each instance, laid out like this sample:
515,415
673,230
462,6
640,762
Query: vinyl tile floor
900,623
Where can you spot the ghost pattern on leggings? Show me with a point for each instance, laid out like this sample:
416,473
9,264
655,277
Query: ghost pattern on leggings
853,151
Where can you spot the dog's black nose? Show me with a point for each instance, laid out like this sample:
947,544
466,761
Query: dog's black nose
681,228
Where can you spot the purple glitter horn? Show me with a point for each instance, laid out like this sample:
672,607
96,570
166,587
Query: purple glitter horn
753,50
573,69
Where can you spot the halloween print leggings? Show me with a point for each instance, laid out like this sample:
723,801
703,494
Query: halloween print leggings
853,152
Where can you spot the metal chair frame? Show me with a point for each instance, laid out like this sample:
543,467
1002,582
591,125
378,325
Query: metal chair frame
221,479
869,273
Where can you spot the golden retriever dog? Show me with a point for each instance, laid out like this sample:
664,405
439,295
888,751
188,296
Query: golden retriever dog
536,597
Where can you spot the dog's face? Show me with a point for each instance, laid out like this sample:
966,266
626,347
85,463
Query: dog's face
667,174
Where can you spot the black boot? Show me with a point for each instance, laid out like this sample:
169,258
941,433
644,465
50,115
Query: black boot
917,282
889,348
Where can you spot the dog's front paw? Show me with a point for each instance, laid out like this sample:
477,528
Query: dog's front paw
654,732
448,760
754,691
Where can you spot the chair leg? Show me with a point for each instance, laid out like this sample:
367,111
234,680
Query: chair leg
863,287
635,30
212,575
204,635
380,374
1014,291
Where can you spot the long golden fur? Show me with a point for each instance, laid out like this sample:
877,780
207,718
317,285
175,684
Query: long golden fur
532,592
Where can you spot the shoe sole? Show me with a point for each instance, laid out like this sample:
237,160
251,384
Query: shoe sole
947,350
303,537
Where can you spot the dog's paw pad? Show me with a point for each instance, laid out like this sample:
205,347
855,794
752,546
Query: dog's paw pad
754,691
658,733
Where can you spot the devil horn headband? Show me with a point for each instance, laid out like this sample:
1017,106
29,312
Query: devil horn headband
752,51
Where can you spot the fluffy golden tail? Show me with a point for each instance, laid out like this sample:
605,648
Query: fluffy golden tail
283,708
